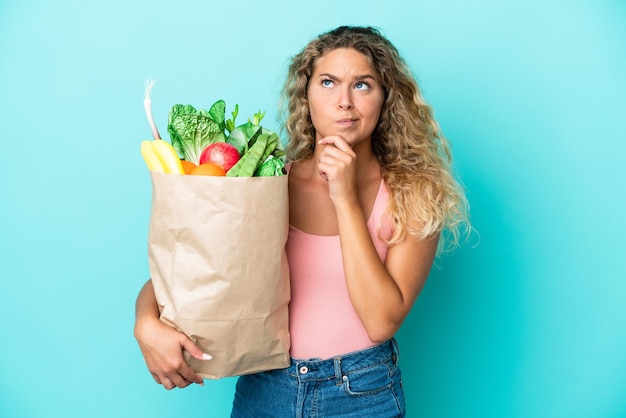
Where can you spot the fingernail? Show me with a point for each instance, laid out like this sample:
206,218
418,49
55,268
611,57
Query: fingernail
207,356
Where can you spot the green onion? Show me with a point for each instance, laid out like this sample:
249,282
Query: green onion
147,105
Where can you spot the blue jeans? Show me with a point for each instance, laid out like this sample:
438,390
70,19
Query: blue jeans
363,384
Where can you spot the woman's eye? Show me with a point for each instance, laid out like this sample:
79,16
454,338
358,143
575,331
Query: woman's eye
362,86
327,83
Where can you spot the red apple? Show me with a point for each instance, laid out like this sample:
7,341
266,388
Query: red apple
221,154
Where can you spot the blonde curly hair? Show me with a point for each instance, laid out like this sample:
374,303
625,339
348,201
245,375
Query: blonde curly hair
415,159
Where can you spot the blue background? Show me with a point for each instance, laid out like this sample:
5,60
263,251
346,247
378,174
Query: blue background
526,320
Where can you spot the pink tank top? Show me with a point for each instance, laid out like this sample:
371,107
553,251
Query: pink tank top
322,321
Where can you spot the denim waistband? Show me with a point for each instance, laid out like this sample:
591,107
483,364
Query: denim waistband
339,366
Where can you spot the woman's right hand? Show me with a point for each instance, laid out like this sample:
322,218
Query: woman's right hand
162,348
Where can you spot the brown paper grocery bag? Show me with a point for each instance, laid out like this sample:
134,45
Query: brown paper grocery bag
216,250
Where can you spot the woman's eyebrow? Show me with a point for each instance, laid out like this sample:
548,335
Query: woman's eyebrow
356,77
365,77
328,75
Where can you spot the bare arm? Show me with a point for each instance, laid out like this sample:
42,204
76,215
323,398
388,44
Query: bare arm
382,293
162,346
146,305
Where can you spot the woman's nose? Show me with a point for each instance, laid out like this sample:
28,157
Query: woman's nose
345,100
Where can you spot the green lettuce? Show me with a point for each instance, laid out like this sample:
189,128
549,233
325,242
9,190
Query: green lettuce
272,166
191,130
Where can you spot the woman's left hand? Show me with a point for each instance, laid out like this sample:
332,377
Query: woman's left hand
337,167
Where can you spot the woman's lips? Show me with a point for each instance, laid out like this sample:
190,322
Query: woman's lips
347,122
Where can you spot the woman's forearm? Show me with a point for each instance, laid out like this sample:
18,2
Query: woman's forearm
374,294
382,293
146,305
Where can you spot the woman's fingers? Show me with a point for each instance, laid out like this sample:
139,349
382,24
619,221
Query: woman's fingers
176,371
195,352
336,157
162,347
337,166
177,374
337,141
175,381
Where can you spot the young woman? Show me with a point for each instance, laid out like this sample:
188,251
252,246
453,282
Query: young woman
372,200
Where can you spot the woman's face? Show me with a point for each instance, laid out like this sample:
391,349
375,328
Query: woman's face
345,96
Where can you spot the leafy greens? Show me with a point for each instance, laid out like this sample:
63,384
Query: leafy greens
192,130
